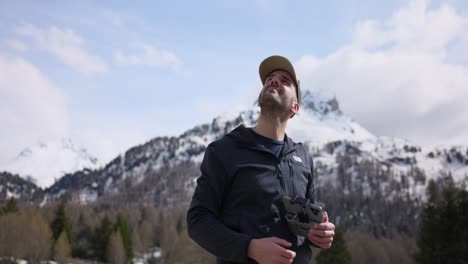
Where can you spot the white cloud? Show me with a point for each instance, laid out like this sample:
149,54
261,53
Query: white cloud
153,57
31,107
396,77
17,45
121,130
66,45
107,142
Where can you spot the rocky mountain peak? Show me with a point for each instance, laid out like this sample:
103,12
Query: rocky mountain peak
320,103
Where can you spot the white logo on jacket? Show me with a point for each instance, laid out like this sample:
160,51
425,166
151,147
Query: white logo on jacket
296,158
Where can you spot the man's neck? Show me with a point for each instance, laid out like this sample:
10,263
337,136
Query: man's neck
271,127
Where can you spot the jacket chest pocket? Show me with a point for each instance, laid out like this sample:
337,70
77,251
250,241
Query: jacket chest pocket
255,182
295,177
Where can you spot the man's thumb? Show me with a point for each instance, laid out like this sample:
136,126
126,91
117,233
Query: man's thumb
325,217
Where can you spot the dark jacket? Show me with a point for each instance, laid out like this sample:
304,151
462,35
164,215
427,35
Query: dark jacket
239,196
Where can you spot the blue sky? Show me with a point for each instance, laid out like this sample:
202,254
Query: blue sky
114,74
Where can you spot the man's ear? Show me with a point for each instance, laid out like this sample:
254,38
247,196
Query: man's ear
295,108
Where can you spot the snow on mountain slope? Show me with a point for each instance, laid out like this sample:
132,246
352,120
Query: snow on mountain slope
433,160
320,120
404,163
13,186
321,125
46,162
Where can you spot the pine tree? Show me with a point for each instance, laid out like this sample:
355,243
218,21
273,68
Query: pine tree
443,235
124,228
10,207
61,223
82,238
101,238
115,249
432,193
62,250
462,224
338,253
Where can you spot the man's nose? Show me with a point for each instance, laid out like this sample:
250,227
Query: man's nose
274,80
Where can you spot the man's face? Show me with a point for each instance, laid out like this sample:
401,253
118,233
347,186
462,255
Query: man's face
278,93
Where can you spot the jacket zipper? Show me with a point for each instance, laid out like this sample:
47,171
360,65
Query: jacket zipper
280,176
278,169
291,176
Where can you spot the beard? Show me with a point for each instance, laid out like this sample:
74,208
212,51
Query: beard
274,105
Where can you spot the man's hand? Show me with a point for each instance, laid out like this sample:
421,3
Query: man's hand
322,234
271,250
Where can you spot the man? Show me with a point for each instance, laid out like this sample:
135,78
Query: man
237,210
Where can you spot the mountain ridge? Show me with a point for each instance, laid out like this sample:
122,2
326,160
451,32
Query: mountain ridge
45,162
321,125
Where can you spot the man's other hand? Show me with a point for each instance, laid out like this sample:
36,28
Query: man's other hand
322,234
271,250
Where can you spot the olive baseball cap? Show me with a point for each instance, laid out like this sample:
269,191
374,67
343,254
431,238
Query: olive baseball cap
274,63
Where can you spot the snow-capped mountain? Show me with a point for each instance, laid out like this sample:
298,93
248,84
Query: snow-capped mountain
321,125
321,120
45,162
402,162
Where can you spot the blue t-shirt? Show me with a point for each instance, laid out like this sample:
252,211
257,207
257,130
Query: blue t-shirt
275,146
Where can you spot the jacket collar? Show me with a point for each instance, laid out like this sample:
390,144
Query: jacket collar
241,135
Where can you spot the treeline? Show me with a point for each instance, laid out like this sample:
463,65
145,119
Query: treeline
98,233
381,223
366,196
24,232
443,236
80,233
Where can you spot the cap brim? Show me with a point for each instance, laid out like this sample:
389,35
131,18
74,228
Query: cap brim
274,63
